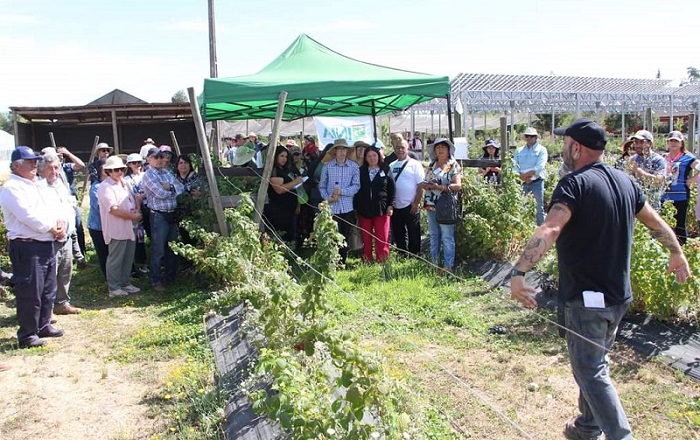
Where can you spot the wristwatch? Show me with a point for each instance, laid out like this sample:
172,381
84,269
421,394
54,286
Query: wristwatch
516,273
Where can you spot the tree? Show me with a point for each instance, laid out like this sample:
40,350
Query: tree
180,96
6,122
693,74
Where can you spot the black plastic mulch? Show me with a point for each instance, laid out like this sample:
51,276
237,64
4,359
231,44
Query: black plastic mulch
672,344
234,354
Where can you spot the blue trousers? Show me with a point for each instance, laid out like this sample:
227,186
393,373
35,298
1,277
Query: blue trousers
34,277
162,233
536,188
598,401
441,235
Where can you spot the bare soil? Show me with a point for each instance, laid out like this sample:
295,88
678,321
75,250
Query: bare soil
71,389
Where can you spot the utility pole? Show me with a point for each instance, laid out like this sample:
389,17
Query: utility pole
213,73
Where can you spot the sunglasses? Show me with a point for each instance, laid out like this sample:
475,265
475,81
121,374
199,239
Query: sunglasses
530,136
104,150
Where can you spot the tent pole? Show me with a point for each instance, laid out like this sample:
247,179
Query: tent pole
206,159
374,122
269,159
449,118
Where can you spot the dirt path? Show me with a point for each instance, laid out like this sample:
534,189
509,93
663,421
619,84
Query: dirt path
71,389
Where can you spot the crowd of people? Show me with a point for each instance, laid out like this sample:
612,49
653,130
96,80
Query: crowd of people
375,199
131,197
590,218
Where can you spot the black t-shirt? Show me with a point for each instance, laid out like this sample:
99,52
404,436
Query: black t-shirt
287,201
595,245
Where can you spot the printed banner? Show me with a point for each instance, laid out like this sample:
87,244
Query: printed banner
352,129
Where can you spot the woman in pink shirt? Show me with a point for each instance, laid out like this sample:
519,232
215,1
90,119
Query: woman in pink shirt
120,212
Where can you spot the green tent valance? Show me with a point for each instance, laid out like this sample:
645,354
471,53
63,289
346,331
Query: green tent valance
318,81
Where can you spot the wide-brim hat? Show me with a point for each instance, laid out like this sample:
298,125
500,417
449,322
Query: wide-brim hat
134,157
113,163
438,141
530,131
491,143
339,143
103,146
244,154
626,144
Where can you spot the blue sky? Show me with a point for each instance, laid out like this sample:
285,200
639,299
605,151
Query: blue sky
69,52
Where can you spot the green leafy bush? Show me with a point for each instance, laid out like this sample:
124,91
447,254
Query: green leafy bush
324,384
498,220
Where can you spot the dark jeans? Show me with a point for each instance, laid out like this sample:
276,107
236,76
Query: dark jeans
101,249
162,233
598,401
681,216
405,228
34,278
346,223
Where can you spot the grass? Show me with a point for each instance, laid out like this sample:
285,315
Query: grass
461,381
458,379
162,339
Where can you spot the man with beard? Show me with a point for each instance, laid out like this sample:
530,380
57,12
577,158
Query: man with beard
591,219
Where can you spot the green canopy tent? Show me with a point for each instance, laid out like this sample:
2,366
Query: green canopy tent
318,82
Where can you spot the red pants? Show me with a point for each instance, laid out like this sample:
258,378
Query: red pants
375,233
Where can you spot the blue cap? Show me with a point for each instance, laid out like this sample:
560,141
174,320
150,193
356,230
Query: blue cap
23,152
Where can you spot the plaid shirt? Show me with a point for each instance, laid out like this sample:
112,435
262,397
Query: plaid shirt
347,177
160,199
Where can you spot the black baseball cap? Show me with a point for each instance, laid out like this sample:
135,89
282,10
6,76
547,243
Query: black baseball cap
586,132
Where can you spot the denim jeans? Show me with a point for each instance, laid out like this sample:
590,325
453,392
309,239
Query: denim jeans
162,233
536,188
598,401
441,234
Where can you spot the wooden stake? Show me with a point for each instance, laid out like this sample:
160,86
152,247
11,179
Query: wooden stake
176,146
270,158
206,159
86,196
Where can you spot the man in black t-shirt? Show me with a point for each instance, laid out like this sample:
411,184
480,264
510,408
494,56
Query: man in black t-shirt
591,219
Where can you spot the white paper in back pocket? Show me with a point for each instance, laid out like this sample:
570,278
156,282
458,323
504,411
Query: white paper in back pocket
593,300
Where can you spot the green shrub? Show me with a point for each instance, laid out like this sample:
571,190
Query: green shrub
498,220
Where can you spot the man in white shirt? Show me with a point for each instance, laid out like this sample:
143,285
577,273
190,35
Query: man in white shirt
405,223
32,227
58,194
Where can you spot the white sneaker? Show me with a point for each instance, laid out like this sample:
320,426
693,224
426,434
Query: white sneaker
118,292
130,288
